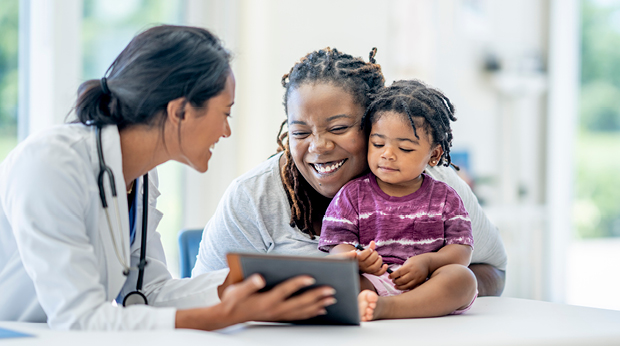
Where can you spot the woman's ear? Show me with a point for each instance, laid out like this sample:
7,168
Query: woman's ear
435,155
175,111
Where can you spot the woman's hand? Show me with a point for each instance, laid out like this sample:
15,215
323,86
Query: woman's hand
242,302
413,273
370,261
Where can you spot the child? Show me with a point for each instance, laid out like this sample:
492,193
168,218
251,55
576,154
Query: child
407,221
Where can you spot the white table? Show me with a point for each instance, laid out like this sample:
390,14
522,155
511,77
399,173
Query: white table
491,321
46,337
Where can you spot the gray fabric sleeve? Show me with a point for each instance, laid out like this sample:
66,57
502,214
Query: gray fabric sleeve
233,228
488,245
253,216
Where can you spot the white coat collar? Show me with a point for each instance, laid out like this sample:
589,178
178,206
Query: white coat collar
111,145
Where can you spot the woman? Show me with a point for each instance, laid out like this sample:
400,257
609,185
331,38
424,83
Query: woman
278,206
71,250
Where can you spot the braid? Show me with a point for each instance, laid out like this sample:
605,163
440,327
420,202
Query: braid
371,55
413,98
361,79
301,209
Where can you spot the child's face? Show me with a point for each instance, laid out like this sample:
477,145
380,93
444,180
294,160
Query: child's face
395,155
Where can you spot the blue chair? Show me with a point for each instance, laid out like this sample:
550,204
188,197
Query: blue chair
189,243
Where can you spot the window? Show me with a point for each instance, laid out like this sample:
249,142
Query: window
107,27
595,251
8,76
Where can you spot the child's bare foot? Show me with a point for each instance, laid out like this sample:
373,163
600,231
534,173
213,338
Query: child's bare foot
367,302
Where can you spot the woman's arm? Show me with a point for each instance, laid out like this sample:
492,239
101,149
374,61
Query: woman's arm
234,227
252,216
489,257
491,280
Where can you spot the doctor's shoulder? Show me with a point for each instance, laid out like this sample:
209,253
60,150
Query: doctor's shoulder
62,147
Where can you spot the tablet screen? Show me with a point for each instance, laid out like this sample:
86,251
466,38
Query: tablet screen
341,274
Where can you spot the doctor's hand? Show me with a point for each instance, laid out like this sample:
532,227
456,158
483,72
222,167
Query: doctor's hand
242,302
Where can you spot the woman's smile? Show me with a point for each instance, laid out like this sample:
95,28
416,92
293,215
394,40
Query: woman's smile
328,168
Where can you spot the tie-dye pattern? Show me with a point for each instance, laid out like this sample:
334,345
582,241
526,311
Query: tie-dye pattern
424,221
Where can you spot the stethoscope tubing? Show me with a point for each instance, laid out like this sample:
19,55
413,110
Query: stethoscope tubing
103,170
145,207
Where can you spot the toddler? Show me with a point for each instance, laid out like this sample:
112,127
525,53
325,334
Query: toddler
414,231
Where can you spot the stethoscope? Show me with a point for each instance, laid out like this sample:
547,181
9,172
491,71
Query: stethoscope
136,297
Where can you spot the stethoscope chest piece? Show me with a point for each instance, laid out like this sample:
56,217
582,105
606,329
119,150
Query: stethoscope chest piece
135,298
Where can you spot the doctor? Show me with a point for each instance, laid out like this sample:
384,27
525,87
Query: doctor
71,252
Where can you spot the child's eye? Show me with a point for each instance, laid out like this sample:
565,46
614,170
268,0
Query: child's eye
377,145
406,150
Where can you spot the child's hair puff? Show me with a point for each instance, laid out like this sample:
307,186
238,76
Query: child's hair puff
414,99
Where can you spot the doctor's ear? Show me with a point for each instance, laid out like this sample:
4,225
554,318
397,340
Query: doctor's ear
176,110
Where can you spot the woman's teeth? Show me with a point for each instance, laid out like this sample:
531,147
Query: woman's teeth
326,168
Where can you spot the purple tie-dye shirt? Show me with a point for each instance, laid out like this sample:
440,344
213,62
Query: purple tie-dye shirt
402,227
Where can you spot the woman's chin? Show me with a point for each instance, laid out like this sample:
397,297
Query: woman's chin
328,186
327,192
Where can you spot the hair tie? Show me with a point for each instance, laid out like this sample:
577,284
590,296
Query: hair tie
104,86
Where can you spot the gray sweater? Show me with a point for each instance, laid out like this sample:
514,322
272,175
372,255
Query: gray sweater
254,216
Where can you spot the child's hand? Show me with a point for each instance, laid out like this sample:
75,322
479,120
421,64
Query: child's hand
370,261
413,273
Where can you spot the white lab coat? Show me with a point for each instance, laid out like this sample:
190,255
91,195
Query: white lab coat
57,259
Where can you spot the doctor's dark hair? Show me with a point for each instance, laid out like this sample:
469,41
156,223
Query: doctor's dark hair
355,76
159,65
413,99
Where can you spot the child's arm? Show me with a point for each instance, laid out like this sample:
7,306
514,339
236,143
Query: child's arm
417,268
369,260
458,249
340,248
449,254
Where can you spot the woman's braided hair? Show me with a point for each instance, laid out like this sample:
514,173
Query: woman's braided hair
361,79
412,99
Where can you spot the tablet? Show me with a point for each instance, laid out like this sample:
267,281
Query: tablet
341,274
